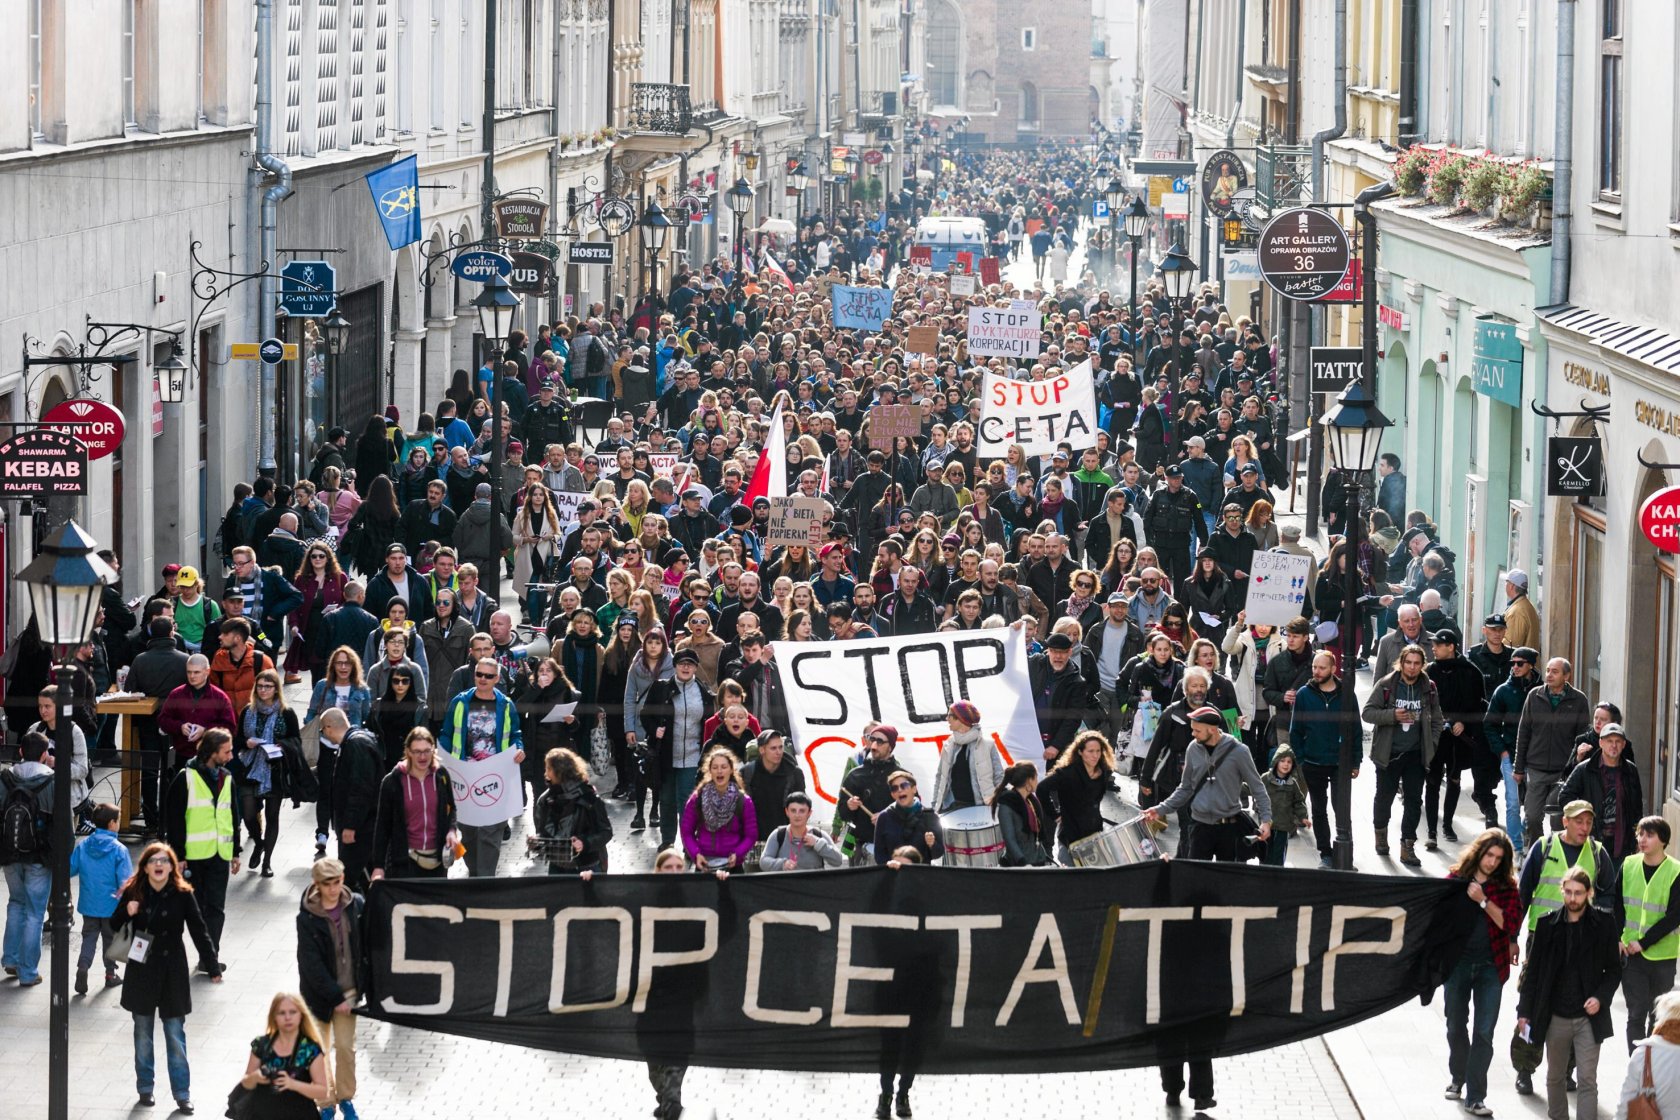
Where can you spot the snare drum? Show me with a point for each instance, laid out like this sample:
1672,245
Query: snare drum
1118,846
972,838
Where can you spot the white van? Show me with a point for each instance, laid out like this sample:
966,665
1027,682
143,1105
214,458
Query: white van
949,236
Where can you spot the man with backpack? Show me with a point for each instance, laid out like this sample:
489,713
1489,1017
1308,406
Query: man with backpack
587,369
26,803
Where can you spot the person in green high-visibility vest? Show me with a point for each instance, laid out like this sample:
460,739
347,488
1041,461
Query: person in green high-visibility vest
201,826
1650,919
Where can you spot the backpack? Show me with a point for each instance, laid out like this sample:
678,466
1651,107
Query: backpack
595,361
23,831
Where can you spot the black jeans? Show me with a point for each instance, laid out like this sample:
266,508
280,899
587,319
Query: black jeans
354,854
1643,980
261,814
1226,843
1201,1078
1321,783
1258,738
1402,775
1443,770
325,770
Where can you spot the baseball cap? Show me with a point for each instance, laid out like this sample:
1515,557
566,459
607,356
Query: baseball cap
1612,729
1173,471
1291,532
1208,715
1446,634
186,577
1517,578
691,492
1195,441
686,657
1249,468
396,547
1576,808
1117,597
831,546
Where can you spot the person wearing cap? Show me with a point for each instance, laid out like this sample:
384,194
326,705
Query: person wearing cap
970,766
1522,621
1172,521
674,716
1404,711
936,496
196,615
1565,992
1062,697
1609,781
1499,730
397,579
1553,717
1463,707
1492,656
1112,646
480,722
1163,764
1217,770
428,519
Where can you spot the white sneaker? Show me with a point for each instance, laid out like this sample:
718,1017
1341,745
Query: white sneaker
1454,1090
1478,1108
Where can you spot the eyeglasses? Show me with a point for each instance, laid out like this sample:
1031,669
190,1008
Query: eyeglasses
160,861
880,739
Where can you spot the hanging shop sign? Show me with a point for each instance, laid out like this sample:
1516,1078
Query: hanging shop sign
97,425
43,463
308,289
1496,367
1304,254
1334,368
479,265
530,272
1223,175
520,219
1574,467
589,252
1659,519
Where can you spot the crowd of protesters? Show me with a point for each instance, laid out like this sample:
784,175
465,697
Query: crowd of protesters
633,585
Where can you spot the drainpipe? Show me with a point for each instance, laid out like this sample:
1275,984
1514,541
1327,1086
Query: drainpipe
1563,170
1406,134
1292,119
1231,132
268,417
1305,333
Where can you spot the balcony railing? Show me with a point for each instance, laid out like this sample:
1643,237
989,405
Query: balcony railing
1283,176
661,108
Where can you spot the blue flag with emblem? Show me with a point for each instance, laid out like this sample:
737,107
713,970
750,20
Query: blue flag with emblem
396,198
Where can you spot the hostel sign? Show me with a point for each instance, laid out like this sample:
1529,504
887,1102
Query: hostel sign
1496,368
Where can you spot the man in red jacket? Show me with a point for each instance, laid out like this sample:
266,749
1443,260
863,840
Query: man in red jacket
191,709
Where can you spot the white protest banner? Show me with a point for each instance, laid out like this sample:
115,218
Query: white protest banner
964,285
1277,588
606,462
663,463
1004,332
795,520
909,683
566,503
1023,305
487,790
1038,415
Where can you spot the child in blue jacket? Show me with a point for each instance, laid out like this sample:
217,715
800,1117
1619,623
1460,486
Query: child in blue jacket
104,866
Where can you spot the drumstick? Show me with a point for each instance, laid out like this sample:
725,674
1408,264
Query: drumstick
1093,1004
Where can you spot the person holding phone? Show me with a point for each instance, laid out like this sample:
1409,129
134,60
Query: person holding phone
287,1069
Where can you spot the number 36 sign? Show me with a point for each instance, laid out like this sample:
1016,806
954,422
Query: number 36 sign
1303,253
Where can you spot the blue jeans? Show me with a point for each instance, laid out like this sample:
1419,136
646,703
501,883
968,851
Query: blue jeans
673,795
175,1046
1470,1042
28,886
1513,802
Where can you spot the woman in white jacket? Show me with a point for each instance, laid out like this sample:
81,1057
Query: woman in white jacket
1663,1047
1245,666
984,765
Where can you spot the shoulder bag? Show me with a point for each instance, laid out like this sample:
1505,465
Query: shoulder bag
1643,1106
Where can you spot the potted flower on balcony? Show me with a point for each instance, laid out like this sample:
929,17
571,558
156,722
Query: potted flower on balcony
1411,170
1524,189
1446,176
1484,183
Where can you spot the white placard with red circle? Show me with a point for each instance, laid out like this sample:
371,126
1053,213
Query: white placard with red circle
98,425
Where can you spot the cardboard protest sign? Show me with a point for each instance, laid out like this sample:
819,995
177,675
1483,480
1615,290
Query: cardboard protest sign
795,520
922,340
888,421
1277,588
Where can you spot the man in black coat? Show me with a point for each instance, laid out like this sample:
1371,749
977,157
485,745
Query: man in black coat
1564,995
863,790
1061,695
1233,546
347,624
428,519
691,526
769,778
1463,706
1609,780
1172,519
355,794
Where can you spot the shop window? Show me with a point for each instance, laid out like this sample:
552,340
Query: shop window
1663,722
1587,595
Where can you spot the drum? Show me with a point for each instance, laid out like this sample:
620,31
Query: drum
1121,845
972,838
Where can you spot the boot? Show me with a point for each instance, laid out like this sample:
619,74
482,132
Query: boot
81,981
638,822
1408,854
903,1102
1382,841
1430,844
883,1107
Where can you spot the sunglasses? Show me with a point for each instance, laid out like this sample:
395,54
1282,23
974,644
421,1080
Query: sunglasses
485,676
900,786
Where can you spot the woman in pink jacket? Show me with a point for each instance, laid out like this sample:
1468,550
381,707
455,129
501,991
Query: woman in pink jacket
719,825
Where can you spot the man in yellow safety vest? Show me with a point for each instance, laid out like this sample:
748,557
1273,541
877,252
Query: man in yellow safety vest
1650,904
201,825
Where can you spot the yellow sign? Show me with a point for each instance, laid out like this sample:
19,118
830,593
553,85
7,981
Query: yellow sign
1233,229
1158,186
248,352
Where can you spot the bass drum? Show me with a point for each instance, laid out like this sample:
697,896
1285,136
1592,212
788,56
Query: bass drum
1120,845
972,838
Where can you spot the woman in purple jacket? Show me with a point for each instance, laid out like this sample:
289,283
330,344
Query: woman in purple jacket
719,826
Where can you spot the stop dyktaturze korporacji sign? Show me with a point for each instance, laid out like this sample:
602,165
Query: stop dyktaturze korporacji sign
1004,332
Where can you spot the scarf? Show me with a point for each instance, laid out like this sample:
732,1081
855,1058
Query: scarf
1050,509
1078,604
907,813
717,809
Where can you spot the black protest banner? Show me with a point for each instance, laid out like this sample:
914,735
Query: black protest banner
944,970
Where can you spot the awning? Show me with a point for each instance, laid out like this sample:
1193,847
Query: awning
1635,342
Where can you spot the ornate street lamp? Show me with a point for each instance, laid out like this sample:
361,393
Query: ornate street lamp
496,306
171,376
1354,427
65,583
740,198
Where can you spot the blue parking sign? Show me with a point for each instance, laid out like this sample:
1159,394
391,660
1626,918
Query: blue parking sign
1099,208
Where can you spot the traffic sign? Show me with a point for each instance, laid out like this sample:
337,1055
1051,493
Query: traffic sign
272,351
308,289
479,265
1304,254
98,425
252,352
1181,186
1099,209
